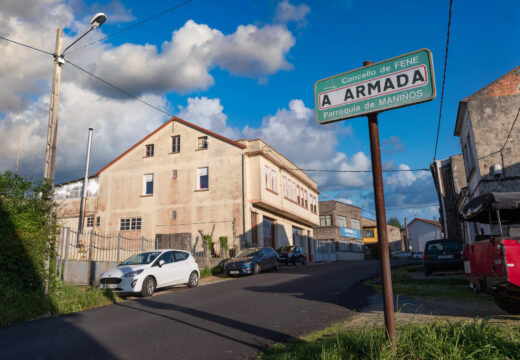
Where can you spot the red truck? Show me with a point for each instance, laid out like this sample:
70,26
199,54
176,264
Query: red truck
492,258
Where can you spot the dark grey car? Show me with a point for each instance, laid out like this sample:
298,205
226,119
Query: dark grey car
442,255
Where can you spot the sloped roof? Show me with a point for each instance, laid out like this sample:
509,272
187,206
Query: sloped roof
428,221
181,121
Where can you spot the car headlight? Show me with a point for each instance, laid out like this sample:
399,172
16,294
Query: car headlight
247,264
133,273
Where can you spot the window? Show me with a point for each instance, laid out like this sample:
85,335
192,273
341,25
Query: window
180,255
173,214
202,178
313,204
298,194
130,224
284,187
90,221
325,220
98,221
468,157
176,144
368,233
148,184
341,220
293,185
273,181
174,174
203,142
306,202
267,177
149,150
355,224
167,257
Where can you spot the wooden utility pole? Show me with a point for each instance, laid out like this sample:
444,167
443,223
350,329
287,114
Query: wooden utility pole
52,128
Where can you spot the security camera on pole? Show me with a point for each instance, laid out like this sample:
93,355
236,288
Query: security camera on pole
52,128
367,91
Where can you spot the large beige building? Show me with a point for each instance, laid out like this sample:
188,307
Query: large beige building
185,180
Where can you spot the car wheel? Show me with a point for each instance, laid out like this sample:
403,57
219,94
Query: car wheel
148,287
427,271
256,269
276,266
194,280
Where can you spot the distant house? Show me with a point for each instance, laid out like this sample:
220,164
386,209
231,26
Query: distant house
422,230
370,237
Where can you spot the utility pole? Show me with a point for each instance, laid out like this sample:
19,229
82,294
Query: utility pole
85,185
52,128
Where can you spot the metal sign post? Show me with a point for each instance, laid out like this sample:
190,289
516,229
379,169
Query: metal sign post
397,82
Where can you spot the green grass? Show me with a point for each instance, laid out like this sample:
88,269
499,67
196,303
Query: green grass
17,306
437,340
452,287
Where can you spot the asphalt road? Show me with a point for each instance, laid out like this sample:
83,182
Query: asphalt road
226,320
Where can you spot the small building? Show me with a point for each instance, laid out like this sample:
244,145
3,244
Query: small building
182,181
370,238
421,231
449,177
340,226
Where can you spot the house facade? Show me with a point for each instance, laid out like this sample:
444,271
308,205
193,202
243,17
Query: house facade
340,224
185,181
370,237
421,231
490,140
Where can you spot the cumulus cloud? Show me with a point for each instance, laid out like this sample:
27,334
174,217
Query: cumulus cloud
114,122
286,12
409,188
208,113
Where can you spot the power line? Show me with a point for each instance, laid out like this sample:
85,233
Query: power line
27,46
354,171
443,83
404,207
134,25
119,89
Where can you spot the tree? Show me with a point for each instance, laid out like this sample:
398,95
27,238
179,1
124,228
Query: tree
395,222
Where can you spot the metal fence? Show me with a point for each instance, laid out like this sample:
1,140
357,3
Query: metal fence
350,246
91,246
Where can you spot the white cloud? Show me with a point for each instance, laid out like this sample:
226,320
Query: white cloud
286,12
114,122
208,113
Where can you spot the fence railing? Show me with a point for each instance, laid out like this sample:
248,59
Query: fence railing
350,246
91,246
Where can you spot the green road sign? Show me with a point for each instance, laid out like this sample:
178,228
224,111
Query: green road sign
389,84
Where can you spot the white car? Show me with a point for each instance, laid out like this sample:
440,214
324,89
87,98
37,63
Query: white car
150,270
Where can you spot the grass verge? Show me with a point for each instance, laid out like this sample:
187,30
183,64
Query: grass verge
436,340
405,284
17,306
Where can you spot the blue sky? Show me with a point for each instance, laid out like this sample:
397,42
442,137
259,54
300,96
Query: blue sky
247,69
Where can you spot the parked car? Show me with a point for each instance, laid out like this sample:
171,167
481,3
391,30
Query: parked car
403,255
418,255
442,255
252,261
145,272
292,254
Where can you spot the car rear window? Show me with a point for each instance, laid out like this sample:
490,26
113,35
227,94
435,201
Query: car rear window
180,255
437,247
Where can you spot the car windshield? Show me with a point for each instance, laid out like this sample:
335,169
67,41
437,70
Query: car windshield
247,253
436,247
142,259
286,248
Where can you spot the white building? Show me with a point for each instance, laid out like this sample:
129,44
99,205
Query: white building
422,230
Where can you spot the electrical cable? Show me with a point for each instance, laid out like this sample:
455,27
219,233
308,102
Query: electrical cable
133,25
443,83
353,171
27,46
119,89
404,207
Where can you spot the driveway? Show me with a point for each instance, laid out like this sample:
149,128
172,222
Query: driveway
226,320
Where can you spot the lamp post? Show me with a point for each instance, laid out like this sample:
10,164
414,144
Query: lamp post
52,128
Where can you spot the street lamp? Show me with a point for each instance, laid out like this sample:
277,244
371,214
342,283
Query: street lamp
52,128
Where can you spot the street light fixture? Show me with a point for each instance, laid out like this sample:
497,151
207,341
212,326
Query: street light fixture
52,128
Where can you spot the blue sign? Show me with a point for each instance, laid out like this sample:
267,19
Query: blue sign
352,233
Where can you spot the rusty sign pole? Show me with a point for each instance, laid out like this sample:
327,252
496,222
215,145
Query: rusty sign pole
379,197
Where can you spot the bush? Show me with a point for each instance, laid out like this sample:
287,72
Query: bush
224,243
